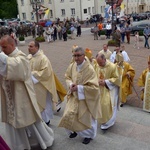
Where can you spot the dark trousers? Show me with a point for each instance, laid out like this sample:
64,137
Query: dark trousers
108,32
128,37
65,36
122,37
146,42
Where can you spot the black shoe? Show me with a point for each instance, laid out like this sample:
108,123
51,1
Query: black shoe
73,135
58,109
121,105
86,140
48,122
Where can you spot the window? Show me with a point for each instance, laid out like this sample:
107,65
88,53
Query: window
22,2
101,9
63,12
42,1
50,1
85,11
93,10
89,10
24,16
72,11
61,1
51,13
32,15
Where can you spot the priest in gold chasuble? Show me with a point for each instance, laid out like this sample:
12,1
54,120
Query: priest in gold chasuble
126,74
83,104
109,90
20,111
144,83
44,82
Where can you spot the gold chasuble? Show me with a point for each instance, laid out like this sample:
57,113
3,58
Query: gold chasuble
61,91
144,81
126,85
108,72
43,72
17,93
78,114
107,53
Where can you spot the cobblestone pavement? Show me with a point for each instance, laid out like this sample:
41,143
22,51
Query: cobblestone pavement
131,130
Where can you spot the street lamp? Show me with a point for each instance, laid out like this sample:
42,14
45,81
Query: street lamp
36,6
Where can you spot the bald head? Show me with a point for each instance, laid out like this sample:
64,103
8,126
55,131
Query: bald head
7,44
101,59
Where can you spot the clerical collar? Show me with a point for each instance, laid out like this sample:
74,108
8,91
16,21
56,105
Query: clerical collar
36,53
79,66
14,52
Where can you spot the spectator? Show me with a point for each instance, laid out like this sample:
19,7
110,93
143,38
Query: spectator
146,34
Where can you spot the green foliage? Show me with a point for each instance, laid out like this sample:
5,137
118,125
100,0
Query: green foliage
103,32
141,33
8,9
40,39
112,43
21,38
68,32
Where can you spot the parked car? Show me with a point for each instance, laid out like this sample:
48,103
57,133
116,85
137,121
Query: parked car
139,17
25,22
139,26
3,23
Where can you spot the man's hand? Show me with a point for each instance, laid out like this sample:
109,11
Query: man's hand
128,75
101,82
73,88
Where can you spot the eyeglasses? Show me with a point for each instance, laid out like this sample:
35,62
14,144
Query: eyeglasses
78,55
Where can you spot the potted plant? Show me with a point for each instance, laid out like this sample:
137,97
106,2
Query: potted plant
103,34
112,43
69,34
141,38
21,40
40,39
141,33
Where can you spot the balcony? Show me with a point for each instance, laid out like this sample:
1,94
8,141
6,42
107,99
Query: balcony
142,2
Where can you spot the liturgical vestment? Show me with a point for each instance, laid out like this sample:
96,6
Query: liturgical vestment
79,112
42,71
144,82
20,110
126,84
109,95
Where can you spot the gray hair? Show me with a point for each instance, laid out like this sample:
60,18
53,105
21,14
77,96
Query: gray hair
79,49
102,56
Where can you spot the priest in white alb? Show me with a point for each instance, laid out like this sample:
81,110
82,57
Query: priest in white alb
20,111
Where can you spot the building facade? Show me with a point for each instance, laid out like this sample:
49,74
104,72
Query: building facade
57,9
81,9
136,6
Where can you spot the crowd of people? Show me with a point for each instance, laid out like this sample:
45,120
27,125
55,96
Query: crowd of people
120,32
96,87
50,32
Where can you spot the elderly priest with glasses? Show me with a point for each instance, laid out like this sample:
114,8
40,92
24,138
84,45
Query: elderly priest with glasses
83,106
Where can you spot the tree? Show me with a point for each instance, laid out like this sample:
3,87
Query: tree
5,8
